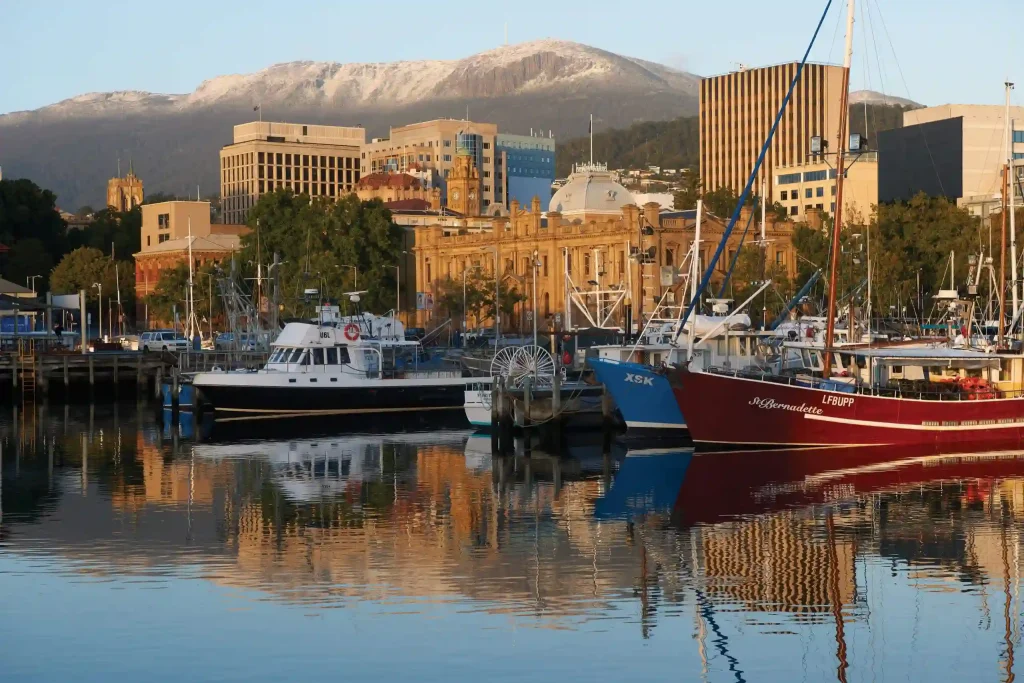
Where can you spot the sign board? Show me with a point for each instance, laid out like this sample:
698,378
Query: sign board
419,301
816,144
428,300
856,142
69,301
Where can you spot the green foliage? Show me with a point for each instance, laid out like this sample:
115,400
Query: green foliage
172,291
689,191
29,257
669,144
317,241
28,211
479,299
751,270
122,230
85,266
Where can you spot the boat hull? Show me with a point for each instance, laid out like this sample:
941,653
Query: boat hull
227,400
643,396
730,411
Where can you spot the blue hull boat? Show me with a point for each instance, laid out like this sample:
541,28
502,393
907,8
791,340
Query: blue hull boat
642,395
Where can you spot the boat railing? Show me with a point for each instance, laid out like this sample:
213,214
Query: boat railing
204,361
888,391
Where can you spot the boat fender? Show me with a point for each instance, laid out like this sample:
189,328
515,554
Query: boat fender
351,332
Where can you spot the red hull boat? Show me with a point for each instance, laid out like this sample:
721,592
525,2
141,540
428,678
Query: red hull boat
726,410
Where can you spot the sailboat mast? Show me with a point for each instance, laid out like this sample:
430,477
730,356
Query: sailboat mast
830,325
1014,275
1002,265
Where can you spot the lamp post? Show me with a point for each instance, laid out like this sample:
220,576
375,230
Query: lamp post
398,290
99,305
30,282
536,266
355,280
497,295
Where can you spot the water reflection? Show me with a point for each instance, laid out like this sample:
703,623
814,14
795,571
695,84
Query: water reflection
844,563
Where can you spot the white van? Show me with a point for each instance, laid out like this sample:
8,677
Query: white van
162,340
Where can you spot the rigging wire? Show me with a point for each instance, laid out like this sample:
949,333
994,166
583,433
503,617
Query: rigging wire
736,256
706,279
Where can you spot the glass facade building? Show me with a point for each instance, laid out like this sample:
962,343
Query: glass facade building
528,167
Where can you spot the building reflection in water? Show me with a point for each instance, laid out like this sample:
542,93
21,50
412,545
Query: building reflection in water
785,539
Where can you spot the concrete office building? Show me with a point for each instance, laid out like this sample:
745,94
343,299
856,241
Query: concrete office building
434,145
955,151
322,161
737,110
804,187
527,163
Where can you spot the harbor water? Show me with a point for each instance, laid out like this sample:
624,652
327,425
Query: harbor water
132,550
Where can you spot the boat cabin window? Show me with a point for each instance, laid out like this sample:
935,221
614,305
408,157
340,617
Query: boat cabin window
294,357
897,370
304,359
343,355
277,356
332,356
318,356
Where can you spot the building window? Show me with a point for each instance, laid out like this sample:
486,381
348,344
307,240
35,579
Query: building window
793,210
487,145
815,176
668,258
818,206
788,179
833,207
260,157
780,258
807,193
586,264
820,192
544,261
447,143
833,190
163,221
487,188
148,240
487,174
447,157
785,195
487,160
288,159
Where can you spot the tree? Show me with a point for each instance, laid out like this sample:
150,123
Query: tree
171,292
84,211
318,242
669,144
449,297
109,228
85,266
29,257
688,194
30,212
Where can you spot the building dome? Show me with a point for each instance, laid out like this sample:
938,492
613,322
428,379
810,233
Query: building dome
591,188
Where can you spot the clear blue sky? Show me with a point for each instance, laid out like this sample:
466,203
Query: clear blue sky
949,50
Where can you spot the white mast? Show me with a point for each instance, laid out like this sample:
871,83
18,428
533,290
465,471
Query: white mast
1013,182
764,210
591,139
190,300
694,277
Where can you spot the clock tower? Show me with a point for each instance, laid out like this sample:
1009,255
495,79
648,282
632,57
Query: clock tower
464,186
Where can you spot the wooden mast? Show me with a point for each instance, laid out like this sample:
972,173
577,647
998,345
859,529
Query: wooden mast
1002,266
830,326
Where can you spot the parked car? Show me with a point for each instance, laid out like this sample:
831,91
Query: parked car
162,340
225,341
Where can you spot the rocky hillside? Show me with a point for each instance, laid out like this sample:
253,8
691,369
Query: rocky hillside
72,146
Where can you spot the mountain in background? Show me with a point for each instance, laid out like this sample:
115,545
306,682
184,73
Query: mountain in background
874,97
72,147
676,143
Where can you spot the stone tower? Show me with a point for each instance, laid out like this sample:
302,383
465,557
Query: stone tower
464,186
124,194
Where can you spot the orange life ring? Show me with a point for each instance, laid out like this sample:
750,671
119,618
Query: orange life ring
351,332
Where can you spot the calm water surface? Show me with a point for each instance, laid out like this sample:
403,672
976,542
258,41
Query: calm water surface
134,552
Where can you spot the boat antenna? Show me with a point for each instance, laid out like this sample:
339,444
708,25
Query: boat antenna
710,269
837,223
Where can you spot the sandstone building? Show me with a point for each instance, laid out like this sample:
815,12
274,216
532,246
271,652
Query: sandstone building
321,161
124,194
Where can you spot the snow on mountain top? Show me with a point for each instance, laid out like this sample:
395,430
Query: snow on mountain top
873,97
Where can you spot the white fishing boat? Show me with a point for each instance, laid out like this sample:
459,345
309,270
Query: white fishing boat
332,370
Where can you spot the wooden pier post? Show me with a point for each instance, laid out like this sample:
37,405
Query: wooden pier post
527,396
67,379
14,372
495,412
158,380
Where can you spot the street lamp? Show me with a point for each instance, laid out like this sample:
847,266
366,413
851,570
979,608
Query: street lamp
99,305
536,268
30,282
355,280
497,295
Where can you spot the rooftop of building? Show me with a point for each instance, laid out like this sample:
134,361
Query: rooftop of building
745,68
302,133
375,181
591,188
12,289
409,205
219,243
989,112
